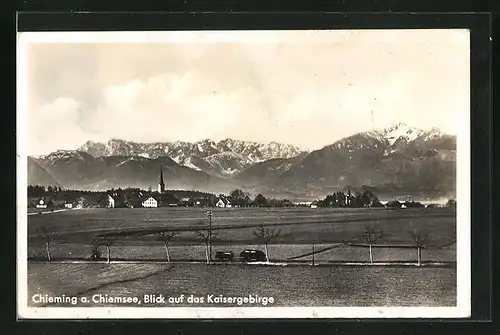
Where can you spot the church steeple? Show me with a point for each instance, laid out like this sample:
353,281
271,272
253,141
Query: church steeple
161,184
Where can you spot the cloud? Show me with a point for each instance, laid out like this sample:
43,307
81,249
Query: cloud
309,92
55,126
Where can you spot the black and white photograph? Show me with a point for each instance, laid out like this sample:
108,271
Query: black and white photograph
244,174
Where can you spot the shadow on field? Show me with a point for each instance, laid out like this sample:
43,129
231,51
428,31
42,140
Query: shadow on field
121,281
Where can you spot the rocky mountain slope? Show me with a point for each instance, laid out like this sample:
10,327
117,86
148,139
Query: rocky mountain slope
79,170
397,160
38,175
223,158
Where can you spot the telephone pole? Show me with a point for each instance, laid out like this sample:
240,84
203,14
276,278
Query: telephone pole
209,214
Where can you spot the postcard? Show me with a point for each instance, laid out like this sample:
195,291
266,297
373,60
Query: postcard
244,174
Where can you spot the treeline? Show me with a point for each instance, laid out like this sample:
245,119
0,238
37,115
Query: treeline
133,197
128,197
347,199
240,198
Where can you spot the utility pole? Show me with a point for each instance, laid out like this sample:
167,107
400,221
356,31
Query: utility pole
313,255
209,214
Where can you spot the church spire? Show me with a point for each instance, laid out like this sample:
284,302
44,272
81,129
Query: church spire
161,185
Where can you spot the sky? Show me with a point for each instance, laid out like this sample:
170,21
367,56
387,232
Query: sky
306,88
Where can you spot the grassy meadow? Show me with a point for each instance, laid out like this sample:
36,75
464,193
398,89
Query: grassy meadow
335,234
137,228
300,286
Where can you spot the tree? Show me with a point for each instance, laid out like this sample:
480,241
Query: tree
48,235
260,201
313,252
358,201
166,237
452,203
266,235
108,242
95,252
238,197
370,236
419,241
206,236
237,194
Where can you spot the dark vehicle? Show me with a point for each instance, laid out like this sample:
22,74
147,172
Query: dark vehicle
252,256
224,256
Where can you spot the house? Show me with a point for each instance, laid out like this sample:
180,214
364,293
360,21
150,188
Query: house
186,201
44,203
314,204
150,202
110,202
41,203
223,203
393,204
432,206
68,205
303,203
80,202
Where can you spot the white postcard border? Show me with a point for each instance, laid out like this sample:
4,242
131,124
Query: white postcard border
462,309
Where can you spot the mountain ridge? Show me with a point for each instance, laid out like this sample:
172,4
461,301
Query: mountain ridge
207,153
413,161
395,159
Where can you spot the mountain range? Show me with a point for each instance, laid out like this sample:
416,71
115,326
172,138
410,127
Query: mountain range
398,160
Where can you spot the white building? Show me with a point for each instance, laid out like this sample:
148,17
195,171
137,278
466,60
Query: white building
41,204
68,205
223,203
150,203
303,203
111,202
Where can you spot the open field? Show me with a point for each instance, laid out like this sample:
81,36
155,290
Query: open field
297,225
289,286
335,234
133,231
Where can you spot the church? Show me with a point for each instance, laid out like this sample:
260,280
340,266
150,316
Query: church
163,198
161,184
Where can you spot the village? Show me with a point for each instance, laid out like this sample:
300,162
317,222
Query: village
55,198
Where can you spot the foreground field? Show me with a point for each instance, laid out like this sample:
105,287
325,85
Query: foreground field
288,285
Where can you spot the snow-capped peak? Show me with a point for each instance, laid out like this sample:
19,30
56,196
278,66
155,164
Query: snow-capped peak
400,132
64,154
231,154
